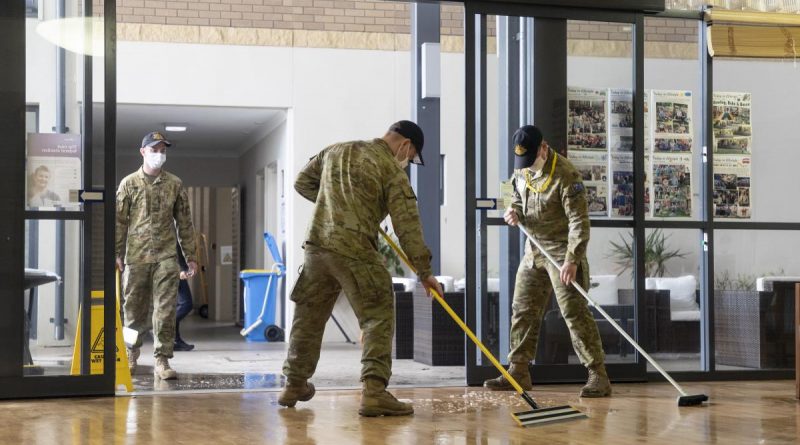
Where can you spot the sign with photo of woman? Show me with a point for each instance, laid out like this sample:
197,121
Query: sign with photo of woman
54,169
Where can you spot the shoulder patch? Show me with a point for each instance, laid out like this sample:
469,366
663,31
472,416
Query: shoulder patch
576,188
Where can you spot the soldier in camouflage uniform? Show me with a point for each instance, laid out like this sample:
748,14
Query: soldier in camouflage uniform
152,206
354,185
550,202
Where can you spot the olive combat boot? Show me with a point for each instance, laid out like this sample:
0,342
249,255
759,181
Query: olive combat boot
376,401
520,373
296,391
598,384
162,370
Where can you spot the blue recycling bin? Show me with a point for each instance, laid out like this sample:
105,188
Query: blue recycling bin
260,298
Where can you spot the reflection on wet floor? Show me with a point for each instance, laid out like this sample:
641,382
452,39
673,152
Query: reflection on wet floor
145,381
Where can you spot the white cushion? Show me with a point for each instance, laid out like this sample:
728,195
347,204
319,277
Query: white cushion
682,291
493,285
603,290
408,283
460,284
448,283
685,315
650,283
764,284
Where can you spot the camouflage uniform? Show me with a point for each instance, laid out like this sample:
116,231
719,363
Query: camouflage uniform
558,218
354,185
149,213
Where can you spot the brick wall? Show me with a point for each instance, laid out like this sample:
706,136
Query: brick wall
656,30
376,16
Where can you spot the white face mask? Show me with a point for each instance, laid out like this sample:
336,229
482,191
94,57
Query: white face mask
155,160
404,162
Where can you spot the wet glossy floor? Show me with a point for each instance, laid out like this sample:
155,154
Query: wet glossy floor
741,413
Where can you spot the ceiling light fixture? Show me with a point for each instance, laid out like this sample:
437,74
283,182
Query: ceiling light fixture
175,127
81,35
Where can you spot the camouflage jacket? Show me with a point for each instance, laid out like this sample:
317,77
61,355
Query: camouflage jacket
558,216
355,185
149,216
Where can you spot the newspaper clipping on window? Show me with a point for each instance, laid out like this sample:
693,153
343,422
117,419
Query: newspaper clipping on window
587,122
621,146
672,154
733,135
593,168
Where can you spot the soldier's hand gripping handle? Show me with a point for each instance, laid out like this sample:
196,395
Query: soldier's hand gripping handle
511,217
432,284
192,269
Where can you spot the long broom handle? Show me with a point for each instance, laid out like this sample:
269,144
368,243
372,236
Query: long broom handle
607,317
457,319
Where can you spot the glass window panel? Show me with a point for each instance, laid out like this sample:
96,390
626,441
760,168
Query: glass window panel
54,87
52,297
673,259
600,114
755,272
674,122
755,147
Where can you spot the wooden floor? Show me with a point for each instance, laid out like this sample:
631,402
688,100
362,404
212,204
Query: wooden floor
740,413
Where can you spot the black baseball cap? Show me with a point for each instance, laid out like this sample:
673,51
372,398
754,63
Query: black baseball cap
410,130
526,142
153,138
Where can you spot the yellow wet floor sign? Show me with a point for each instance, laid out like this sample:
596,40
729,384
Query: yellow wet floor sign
97,345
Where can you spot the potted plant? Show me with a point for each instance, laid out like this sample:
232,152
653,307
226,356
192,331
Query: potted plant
656,253
390,258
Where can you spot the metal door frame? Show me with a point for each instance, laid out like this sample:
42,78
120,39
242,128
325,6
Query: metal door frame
12,226
476,154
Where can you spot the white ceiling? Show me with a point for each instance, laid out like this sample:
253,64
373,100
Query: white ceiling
212,131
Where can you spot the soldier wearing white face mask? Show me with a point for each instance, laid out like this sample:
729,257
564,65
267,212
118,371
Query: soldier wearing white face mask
152,215
550,202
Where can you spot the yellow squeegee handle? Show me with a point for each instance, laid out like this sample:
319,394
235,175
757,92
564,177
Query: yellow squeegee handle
456,318
117,287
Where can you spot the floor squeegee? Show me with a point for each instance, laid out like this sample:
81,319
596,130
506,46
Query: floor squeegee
533,417
684,399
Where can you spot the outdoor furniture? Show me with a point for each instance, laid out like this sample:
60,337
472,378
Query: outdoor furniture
438,340
754,328
403,344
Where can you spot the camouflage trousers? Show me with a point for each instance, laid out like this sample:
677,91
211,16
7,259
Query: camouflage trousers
368,288
152,288
537,278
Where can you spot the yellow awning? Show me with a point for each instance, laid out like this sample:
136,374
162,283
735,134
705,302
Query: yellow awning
753,34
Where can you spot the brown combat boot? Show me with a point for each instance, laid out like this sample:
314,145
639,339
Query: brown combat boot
162,370
520,373
377,401
133,356
296,391
598,384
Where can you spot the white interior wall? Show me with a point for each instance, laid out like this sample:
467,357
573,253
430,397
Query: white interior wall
40,68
